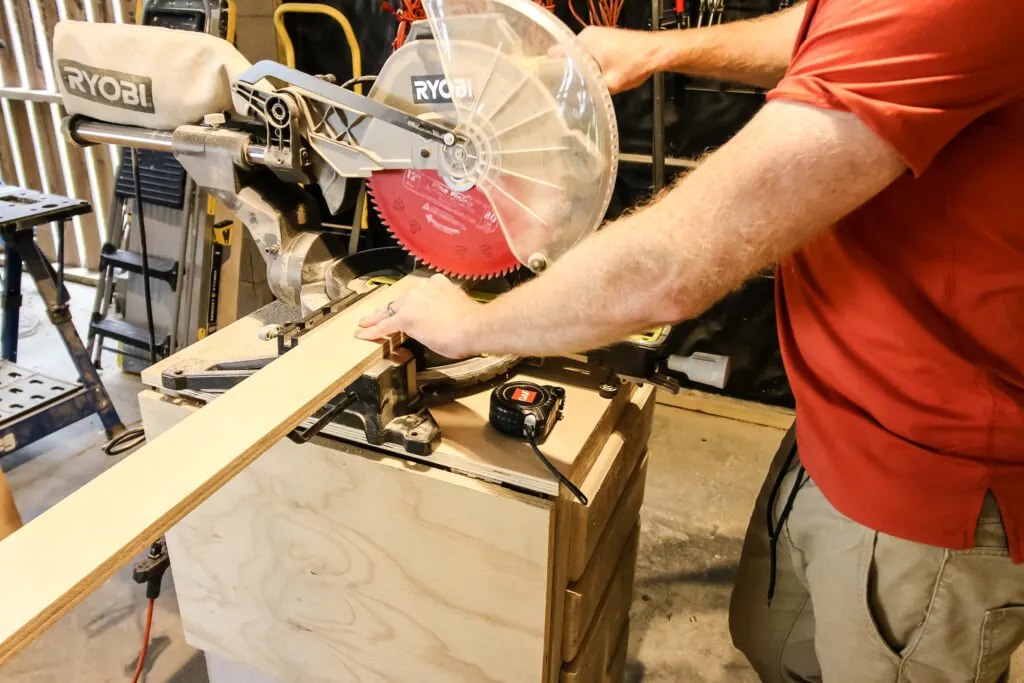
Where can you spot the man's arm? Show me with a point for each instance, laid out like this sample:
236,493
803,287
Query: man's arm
756,52
788,175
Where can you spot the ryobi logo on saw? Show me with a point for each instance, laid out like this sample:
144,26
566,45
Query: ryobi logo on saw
436,89
114,88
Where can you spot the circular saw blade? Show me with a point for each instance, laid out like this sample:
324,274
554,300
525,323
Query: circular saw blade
455,232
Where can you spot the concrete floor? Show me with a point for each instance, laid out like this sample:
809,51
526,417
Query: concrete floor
704,473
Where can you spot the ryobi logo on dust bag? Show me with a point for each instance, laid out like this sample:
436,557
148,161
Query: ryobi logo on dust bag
105,86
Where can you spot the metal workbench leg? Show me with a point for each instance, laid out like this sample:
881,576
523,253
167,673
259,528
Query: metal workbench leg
54,297
11,301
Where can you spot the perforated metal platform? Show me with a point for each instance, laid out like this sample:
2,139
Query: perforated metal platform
22,390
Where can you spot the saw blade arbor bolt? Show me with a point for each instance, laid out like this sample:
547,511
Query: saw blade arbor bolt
537,263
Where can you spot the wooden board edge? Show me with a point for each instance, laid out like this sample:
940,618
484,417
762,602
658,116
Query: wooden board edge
559,570
596,649
584,596
591,521
588,454
616,672
44,531
726,406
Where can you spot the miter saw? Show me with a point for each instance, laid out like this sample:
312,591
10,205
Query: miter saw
487,142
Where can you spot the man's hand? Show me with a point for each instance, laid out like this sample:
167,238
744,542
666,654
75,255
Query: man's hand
626,57
435,313
755,52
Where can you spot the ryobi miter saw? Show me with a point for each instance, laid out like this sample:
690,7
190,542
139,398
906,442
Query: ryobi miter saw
487,142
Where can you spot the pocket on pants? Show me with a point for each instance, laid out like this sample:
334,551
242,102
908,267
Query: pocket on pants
1001,633
899,586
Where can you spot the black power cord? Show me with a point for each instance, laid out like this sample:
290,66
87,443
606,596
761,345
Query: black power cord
573,489
125,441
525,409
145,254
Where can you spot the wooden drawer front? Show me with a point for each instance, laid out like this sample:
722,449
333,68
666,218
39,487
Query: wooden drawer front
602,639
606,486
616,672
583,597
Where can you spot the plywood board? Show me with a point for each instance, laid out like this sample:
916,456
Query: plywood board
617,666
726,406
100,527
598,647
572,517
469,444
613,475
331,563
583,597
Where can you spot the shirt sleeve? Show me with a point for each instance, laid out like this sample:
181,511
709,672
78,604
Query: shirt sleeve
915,71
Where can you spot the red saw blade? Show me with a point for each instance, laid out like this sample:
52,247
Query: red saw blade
455,232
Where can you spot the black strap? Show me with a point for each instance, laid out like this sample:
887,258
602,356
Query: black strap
775,527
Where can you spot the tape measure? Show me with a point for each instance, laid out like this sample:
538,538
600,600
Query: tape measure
528,411
525,409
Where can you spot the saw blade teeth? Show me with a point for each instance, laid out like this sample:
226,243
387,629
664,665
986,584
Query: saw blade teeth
416,201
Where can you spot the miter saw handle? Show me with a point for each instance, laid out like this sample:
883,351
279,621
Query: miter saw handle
337,95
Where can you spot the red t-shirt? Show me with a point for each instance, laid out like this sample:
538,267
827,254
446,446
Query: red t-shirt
902,327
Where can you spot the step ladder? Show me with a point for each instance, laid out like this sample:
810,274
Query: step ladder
167,201
178,231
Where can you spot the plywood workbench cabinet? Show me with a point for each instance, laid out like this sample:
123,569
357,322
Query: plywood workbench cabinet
332,562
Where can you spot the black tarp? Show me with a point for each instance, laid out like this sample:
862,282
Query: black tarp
742,326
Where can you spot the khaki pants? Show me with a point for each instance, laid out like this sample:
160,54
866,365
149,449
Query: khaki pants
853,605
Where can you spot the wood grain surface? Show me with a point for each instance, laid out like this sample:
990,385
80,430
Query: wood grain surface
610,478
52,562
617,666
726,406
469,444
329,563
583,597
598,648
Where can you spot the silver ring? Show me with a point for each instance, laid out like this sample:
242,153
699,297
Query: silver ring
390,309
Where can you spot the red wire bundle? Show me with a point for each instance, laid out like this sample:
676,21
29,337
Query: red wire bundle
412,10
408,12
605,13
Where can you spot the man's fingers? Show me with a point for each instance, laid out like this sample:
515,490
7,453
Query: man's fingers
373,318
383,328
